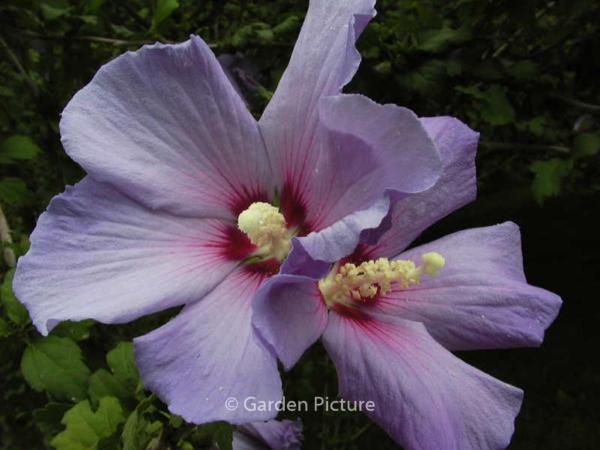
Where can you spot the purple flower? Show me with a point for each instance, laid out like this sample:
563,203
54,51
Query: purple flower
176,163
274,434
389,324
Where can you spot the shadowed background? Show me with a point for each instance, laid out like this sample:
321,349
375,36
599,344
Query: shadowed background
522,73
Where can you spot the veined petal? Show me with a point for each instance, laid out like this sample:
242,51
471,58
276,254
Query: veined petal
99,254
340,239
299,262
373,149
323,61
408,160
423,396
455,188
275,434
166,127
209,354
480,298
289,314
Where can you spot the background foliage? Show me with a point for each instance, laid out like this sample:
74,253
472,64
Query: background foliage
523,73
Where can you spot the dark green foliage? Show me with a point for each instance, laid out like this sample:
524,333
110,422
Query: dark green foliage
15,311
522,73
87,428
54,364
518,72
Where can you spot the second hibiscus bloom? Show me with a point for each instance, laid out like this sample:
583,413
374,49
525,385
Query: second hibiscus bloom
390,317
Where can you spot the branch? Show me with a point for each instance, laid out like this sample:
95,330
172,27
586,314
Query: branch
530,147
102,40
574,102
99,39
13,58
8,255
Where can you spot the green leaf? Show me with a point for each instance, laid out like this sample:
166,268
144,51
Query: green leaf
54,364
586,144
164,8
537,125
472,91
104,384
16,312
53,9
497,110
548,177
523,70
89,19
20,248
76,331
122,31
264,36
223,433
138,431
183,445
48,418
436,41
17,148
384,68
290,25
109,443
4,328
121,361
176,421
265,93
85,428
220,433
425,78
254,33
14,192
94,5
123,380
131,433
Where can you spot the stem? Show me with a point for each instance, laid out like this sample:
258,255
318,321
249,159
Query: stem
13,58
103,40
8,255
360,432
574,102
531,147
99,39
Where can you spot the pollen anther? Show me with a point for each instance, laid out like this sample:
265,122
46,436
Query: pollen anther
361,283
266,228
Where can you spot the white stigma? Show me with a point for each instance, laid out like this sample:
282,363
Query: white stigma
363,282
250,220
266,228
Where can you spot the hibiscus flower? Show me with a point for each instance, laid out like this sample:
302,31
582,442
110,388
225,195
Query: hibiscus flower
389,323
189,201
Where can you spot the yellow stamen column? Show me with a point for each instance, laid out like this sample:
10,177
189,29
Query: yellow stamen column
350,282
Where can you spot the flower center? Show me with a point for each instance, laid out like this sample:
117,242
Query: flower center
350,283
266,228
